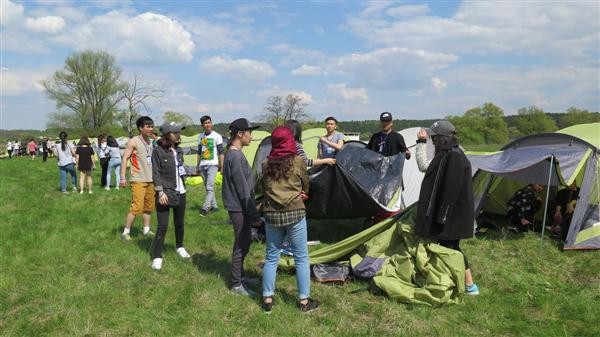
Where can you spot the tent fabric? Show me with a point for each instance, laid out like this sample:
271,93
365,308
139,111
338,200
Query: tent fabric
411,175
406,267
359,174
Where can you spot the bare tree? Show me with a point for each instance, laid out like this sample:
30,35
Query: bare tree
136,95
280,109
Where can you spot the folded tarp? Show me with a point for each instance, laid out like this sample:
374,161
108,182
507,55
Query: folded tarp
406,267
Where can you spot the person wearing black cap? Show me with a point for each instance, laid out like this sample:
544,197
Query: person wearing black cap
445,207
388,142
238,199
167,169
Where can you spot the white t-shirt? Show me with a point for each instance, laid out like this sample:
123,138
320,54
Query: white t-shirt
207,148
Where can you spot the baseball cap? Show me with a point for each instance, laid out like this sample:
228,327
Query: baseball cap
385,117
442,128
167,127
242,124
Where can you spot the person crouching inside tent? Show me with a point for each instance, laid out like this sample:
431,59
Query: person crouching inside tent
522,207
445,208
285,186
566,200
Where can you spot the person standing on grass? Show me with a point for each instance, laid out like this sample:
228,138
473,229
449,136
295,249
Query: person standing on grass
209,162
445,208
114,163
167,170
388,142
139,151
65,154
296,129
104,158
238,199
32,148
9,148
285,186
84,156
332,142
45,149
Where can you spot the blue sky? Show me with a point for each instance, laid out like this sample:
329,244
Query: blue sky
348,59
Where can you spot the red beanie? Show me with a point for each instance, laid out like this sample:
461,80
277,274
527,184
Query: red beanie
282,143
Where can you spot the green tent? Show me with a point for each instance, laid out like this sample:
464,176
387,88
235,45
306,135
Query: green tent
552,159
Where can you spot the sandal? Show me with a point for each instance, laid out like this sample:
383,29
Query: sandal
267,306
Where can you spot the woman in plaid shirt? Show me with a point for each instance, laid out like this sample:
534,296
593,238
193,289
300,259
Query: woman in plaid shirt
285,186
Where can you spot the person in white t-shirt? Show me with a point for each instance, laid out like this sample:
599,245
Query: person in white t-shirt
210,161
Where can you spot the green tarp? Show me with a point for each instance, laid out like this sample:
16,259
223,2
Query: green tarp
410,269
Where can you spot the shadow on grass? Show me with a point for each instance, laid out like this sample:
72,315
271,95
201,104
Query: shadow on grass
210,263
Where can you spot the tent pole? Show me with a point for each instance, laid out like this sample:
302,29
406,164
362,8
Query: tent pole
546,203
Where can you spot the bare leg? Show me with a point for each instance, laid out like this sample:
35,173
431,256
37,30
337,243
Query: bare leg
89,182
129,220
468,277
81,180
146,219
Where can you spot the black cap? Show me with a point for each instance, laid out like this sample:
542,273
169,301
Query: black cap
385,117
242,124
170,127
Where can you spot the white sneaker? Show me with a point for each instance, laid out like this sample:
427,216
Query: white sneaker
107,188
183,253
157,263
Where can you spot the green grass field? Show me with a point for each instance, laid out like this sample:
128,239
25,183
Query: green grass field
64,272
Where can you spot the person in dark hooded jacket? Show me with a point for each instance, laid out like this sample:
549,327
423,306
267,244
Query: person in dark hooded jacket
445,209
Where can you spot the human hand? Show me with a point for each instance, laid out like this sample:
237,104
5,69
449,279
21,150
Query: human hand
525,222
163,199
123,182
407,154
303,196
329,161
323,140
422,134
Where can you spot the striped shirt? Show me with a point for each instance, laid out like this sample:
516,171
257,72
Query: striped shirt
300,152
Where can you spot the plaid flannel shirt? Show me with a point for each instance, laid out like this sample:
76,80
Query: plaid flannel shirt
281,219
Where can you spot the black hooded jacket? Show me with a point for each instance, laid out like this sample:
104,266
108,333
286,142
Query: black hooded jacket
445,210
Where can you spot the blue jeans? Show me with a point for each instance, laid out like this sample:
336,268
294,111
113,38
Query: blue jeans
63,176
298,237
114,164
208,173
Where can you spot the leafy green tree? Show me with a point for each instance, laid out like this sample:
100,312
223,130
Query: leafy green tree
482,125
576,116
88,88
177,117
532,120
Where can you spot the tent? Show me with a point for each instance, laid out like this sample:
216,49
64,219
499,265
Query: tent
552,159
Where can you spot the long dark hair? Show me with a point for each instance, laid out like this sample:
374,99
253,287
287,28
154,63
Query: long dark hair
63,140
111,141
296,128
280,168
440,142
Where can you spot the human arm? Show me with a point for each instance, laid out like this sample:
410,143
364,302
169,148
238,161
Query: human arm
157,178
421,151
129,148
243,186
402,146
337,145
221,155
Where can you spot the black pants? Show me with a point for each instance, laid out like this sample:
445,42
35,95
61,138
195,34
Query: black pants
104,166
162,215
241,246
455,245
565,225
9,154
44,155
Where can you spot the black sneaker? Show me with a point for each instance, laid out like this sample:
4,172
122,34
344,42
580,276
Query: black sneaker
267,307
203,212
309,306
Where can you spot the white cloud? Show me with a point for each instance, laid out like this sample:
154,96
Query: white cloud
277,91
306,70
239,69
350,94
212,36
408,10
393,68
294,55
143,38
438,83
46,24
529,28
14,82
10,13
227,108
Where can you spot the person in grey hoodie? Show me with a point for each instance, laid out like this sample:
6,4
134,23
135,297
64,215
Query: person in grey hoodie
238,199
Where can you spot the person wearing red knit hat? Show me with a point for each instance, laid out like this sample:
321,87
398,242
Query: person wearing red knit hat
285,187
